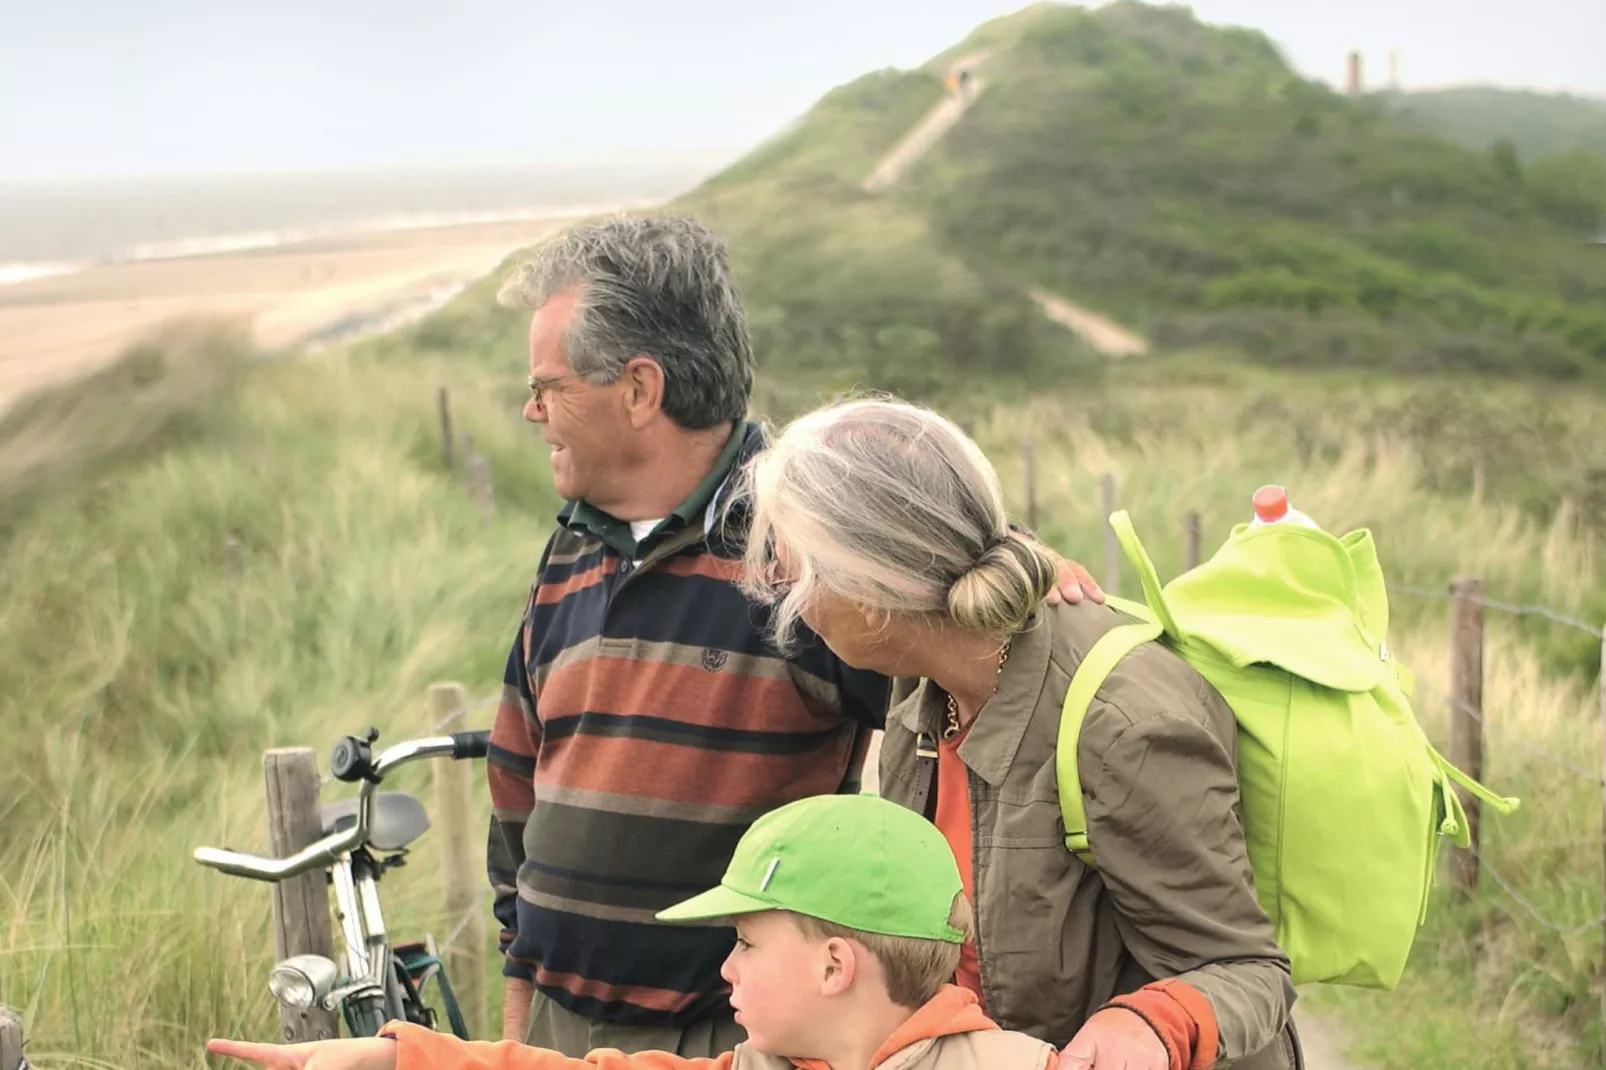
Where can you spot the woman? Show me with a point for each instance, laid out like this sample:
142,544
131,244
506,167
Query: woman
882,526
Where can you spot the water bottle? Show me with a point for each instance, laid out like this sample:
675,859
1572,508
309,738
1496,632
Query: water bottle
1271,507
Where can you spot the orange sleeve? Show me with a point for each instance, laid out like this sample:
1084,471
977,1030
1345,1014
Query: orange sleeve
1183,1019
418,1048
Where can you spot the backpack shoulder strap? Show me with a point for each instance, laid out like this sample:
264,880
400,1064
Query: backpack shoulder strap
1100,661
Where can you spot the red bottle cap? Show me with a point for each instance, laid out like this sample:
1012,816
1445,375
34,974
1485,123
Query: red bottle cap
1271,504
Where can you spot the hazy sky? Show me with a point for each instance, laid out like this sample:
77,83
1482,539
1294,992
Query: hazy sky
116,87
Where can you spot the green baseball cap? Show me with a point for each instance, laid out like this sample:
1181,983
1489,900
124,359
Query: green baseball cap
856,860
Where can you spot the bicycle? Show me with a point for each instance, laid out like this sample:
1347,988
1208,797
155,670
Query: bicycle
363,837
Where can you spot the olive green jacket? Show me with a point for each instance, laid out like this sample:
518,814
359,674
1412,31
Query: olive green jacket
1172,895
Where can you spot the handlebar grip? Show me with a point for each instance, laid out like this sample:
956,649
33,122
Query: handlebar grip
470,744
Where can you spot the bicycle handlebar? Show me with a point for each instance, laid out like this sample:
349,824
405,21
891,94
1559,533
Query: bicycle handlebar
470,744
458,745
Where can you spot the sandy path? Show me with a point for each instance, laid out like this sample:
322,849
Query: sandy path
63,325
929,130
1321,1039
1103,334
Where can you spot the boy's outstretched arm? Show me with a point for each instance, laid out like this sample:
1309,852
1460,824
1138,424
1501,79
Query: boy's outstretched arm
411,1047
368,1053
418,1048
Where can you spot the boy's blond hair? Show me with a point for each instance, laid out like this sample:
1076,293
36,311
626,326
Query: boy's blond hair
915,969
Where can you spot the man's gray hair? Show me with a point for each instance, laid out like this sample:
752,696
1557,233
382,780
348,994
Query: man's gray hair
660,288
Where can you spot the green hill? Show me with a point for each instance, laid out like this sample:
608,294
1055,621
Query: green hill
1175,175
1537,124
1183,176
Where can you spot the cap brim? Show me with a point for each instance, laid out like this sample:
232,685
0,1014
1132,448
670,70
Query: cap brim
721,902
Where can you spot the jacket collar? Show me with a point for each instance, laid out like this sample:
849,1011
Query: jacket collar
990,746
952,1011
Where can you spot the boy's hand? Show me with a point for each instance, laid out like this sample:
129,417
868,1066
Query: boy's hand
1074,584
363,1053
516,998
1115,1039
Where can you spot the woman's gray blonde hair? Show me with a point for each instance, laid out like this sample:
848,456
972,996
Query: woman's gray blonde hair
892,506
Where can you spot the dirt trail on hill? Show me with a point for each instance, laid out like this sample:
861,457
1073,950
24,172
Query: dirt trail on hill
964,86
931,127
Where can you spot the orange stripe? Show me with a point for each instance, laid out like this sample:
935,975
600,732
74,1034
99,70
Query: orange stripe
547,594
513,732
715,568
651,770
690,694
509,791
657,999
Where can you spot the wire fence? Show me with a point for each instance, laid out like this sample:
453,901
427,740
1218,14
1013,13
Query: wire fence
1534,912
1505,607
460,714
1474,714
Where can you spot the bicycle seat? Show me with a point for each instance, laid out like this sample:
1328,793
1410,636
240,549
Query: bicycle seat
398,819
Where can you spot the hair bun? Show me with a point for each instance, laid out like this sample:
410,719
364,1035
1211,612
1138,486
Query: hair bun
1000,591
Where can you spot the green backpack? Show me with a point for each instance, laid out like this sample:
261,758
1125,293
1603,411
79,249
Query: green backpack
1344,800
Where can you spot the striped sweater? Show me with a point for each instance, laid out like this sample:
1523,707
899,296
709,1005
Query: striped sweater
646,721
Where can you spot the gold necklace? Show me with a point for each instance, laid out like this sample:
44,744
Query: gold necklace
951,729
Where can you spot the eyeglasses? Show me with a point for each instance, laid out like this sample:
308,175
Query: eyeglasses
538,385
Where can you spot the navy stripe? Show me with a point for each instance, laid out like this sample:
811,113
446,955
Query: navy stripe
664,730
674,887
677,958
628,1014
663,949
657,608
503,758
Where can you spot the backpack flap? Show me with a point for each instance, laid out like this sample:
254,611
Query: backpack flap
1290,597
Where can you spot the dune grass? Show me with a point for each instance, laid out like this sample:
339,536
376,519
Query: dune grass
146,661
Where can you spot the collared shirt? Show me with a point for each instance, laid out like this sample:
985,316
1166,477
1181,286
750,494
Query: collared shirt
616,533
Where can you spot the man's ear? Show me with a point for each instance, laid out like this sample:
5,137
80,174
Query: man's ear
643,381
840,960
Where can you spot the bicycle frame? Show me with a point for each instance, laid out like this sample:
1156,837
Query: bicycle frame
378,984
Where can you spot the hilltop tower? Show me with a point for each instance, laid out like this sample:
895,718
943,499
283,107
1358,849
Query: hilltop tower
1353,82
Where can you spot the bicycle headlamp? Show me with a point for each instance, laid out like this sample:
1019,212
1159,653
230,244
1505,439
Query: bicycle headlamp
302,981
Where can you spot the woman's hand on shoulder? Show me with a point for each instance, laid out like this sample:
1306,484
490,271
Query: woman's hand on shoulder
1115,1039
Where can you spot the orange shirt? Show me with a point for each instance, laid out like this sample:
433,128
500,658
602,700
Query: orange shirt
952,819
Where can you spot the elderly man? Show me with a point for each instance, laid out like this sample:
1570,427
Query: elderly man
646,720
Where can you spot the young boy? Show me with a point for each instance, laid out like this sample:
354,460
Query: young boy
849,917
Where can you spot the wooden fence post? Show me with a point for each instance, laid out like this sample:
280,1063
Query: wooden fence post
1112,550
1192,533
1466,714
1602,799
444,403
11,1057
464,956
1029,458
479,474
300,904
